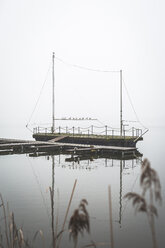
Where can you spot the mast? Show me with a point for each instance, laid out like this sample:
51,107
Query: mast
121,107
53,105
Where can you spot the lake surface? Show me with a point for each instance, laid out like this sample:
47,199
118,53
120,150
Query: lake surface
25,182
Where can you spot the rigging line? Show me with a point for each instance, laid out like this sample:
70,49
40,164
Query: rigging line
34,124
37,180
39,95
29,129
101,122
107,125
132,105
86,68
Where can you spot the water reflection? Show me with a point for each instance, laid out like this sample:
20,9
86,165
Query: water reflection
77,163
94,172
52,202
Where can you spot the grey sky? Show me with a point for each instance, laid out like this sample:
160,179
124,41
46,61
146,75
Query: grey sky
108,35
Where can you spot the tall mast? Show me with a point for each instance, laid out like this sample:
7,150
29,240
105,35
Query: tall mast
53,107
121,107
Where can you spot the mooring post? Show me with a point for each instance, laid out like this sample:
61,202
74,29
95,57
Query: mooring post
73,131
106,130
121,107
92,129
59,129
136,132
133,131
53,95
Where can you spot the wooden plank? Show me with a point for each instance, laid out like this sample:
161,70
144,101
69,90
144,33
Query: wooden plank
58,138
118,148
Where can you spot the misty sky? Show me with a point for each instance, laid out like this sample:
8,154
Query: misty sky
99,34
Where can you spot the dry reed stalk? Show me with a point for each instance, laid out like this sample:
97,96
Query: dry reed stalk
57,215
5,218
110,217
21,237
42,236
10,225
60,237
152,210
14,238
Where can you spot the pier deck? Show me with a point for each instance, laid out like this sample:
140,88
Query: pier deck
10,146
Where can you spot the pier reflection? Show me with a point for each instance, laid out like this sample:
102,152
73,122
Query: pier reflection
88,162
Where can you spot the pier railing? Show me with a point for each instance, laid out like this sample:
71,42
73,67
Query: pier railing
91,131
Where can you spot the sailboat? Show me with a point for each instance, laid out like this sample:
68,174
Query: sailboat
78,135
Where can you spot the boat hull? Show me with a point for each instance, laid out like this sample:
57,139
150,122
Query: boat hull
90,140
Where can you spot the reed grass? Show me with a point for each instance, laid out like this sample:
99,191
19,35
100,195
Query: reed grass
79,222
150,184
10,235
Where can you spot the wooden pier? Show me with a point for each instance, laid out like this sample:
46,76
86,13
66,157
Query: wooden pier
13,146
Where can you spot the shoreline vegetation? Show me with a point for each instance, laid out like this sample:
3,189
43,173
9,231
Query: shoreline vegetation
13,237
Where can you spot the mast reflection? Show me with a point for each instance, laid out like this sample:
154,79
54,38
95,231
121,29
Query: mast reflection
76,162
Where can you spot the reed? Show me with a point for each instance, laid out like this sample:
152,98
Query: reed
67,211
10,235
79,222
150,184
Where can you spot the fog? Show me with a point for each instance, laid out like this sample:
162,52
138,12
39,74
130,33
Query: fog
96,34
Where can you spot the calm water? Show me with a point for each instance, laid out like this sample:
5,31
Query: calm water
25,182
